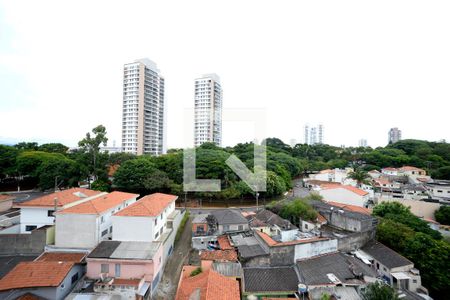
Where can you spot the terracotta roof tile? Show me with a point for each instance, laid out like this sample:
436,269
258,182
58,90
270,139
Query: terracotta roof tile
208,285
36,274
219,255
410,168
120,281
6,197
63,198
390,169
224,243
148,206
326,171
321,219
347,187
99,204
75,257
349,207
29,296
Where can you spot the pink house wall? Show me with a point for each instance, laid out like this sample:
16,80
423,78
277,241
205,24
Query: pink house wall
129,269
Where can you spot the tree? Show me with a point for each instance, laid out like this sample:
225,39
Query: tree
91,146
360,176
397,212
59,171
298,209
140,175
379,291
27,146
394,235
54,148
8,157
443,215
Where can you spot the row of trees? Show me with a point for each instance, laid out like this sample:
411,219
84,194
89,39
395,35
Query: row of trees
409,235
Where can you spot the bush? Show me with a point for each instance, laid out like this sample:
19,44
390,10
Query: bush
181,227
196,272
443,215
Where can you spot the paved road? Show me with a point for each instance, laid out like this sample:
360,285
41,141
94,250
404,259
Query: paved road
167,288
27,195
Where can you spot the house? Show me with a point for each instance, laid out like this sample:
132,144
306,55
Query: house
202,225
39,212
374,174
412,171
270,281
127,269
48,279
144,220
439,189
395,269
152,218
230,220
277,225
207,285
334,269
345,194
390,171
86,224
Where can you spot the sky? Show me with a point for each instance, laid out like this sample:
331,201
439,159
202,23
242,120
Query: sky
357,67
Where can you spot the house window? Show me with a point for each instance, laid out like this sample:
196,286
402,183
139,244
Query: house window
117,270
74,278
102,220
306,226
50,213
110,229
30,227
414,280
156,235
104,268
156,221
240,227
104,232
226,227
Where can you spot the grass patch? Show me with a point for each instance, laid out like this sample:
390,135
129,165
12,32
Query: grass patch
196,271
181,227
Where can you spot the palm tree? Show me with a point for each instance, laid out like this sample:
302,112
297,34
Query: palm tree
361,177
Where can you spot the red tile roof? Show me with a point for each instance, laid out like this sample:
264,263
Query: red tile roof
29,296
149,206
120,281
347,187
390,169
321,219
224,243
219,255
208,285
63,198
75,257
100,204
410,168
272,243
36,274
349,207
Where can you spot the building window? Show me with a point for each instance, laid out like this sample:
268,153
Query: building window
104,232
161,230
102,220
50,213
110,229
156,221
104,268
117,270
226,227
414,280
74,278
240,227
30,227
156,235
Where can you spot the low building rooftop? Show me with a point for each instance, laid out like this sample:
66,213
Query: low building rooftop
149,206
125,250
99,204
385,255
63,198
36,274
344,269
270,279
75,257
229,216
272,219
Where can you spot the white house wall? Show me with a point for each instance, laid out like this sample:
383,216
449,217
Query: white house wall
307,250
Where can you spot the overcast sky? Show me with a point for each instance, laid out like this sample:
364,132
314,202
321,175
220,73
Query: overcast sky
357,67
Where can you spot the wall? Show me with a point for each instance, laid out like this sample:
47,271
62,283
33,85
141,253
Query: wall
288,235
344,196
355,240
233,227
282,255
34,216
168,243
15,244
307,250
419,208
133,229
66,286
76,231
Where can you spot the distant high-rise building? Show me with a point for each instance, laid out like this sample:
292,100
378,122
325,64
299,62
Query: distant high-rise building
313,135
143,108
306,137
208,110
362,143
395,135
